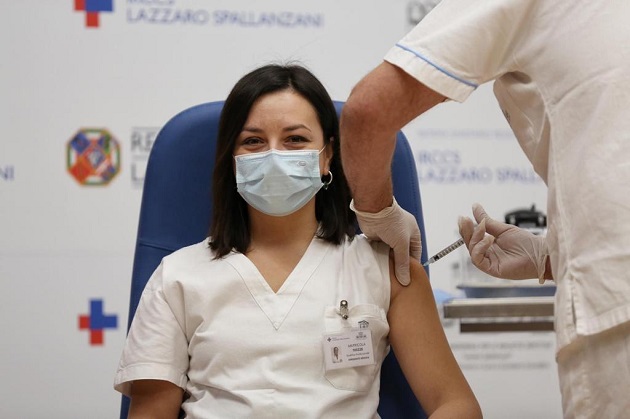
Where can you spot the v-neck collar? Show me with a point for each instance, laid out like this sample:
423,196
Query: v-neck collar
277,305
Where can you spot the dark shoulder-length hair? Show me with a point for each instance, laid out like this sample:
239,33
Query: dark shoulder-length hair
230,227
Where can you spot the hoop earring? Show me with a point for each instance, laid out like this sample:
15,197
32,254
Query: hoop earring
329,181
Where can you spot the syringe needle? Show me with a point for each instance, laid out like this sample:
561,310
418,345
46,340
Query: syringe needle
439,255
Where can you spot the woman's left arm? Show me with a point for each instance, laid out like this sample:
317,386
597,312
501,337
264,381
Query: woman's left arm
418,340
155,399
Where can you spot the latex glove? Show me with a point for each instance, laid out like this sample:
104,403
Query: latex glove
399,229
506,251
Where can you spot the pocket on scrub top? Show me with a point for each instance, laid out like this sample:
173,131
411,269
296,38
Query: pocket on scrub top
372,316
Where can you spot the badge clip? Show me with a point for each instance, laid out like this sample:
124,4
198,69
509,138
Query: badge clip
343,309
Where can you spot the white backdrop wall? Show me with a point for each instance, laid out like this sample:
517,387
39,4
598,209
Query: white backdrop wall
66,247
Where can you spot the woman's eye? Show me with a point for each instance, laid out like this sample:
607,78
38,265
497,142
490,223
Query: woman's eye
251,141
296,139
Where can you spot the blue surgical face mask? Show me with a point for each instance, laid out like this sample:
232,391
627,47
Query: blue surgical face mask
278,182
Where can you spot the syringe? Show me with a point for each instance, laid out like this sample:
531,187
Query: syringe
439,255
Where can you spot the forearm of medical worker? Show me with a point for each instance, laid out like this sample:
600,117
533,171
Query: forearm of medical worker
370,119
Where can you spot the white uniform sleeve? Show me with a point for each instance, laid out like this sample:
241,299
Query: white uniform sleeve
156,346
462,44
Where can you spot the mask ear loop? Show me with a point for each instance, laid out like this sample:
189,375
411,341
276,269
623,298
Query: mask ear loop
329,181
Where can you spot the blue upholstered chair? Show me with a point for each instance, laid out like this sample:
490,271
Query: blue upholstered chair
176,211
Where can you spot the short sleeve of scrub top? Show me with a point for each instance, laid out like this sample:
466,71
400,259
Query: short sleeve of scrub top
462,44
157,347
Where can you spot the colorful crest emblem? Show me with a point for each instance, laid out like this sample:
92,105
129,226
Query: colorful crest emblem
93,156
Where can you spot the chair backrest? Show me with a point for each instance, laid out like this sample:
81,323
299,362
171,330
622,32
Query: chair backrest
176,210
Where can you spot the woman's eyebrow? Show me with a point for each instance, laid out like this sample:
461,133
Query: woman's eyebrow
251,129
288,128
296,127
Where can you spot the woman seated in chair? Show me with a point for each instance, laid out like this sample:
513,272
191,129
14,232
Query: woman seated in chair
283,312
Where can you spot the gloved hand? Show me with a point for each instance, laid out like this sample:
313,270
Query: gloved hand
399,229
507,251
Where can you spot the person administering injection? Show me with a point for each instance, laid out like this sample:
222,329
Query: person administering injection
561,74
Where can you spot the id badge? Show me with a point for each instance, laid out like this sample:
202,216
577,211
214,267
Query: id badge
352,348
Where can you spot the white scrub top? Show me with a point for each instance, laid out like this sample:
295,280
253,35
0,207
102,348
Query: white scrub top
216,329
